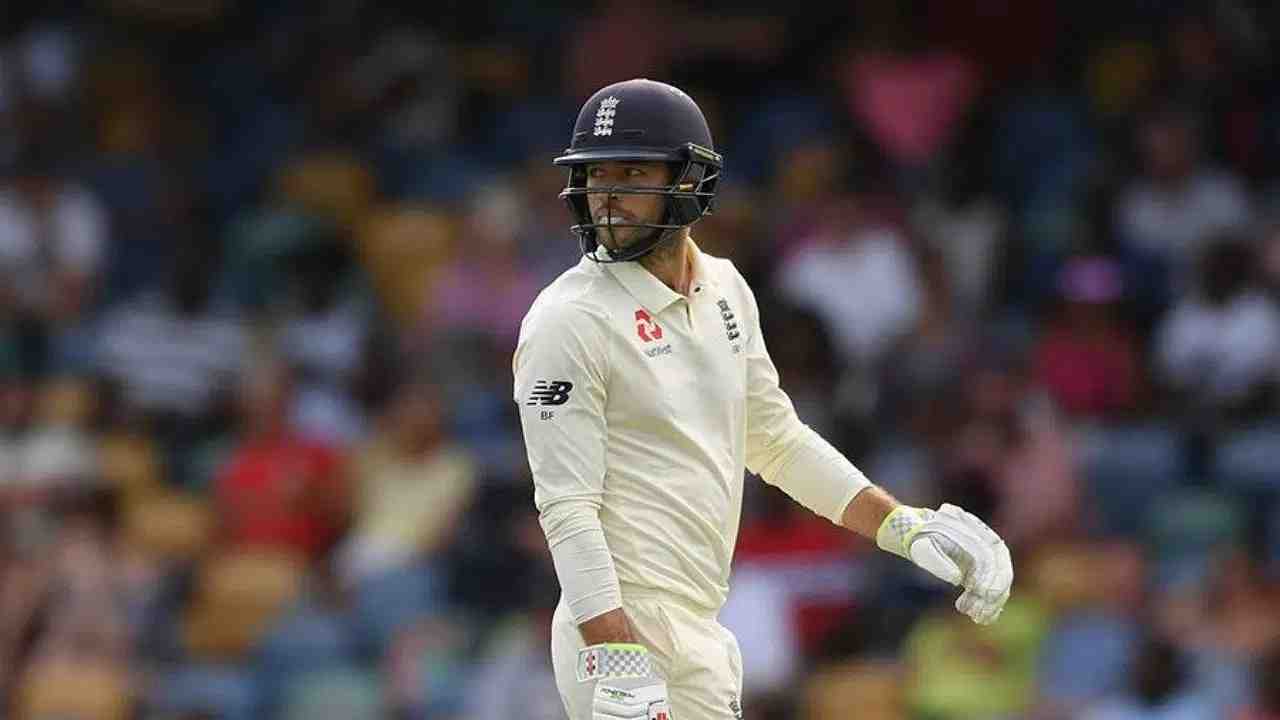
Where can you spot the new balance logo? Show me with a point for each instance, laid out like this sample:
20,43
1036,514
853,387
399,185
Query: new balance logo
550,392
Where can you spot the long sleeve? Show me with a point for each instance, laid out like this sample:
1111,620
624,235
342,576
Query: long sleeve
783,450
560,368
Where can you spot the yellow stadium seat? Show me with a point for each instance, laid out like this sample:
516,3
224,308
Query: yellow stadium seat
130,463
74,689
119,86
66,401
1067,575
238,595
339,186
807,172
169,526
865,689
1119,76
495,66
401,247
725,232
1062,576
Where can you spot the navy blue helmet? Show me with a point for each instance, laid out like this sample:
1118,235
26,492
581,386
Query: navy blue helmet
641,120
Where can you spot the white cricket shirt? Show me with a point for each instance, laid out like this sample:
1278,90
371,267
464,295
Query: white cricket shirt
643,407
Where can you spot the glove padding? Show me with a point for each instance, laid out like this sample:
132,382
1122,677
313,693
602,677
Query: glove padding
630,699
958,548
627,688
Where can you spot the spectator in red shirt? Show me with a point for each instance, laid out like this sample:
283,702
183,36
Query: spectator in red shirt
811,558
1087,359
279,490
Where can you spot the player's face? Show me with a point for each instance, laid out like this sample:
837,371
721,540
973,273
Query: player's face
626,208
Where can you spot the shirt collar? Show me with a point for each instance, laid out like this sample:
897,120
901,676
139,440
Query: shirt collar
652,293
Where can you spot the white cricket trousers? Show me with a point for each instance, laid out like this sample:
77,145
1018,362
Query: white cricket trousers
697,656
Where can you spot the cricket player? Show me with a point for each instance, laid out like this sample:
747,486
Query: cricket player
645,390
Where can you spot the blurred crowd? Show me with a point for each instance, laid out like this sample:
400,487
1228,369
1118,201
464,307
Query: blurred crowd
262,266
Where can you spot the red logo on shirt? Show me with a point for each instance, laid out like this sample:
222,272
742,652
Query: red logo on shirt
646,328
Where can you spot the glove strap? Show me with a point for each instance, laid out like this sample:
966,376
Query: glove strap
899,529
614,660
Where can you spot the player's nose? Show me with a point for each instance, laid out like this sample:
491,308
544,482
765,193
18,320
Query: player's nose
605,200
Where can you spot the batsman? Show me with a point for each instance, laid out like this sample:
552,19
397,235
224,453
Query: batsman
645,390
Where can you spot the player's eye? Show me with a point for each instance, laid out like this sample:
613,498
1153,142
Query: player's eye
635,172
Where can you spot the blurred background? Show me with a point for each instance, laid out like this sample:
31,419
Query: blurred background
264,264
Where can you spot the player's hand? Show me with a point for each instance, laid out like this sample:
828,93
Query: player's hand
958,548
626,686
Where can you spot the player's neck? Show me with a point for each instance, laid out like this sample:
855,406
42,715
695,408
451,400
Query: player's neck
672,263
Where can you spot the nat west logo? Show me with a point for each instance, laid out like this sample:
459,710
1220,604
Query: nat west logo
646,328
550,392
730,324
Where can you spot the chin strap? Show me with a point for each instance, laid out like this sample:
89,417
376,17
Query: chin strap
634,251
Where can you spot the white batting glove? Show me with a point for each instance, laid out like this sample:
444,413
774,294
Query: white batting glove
627,688
956,547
